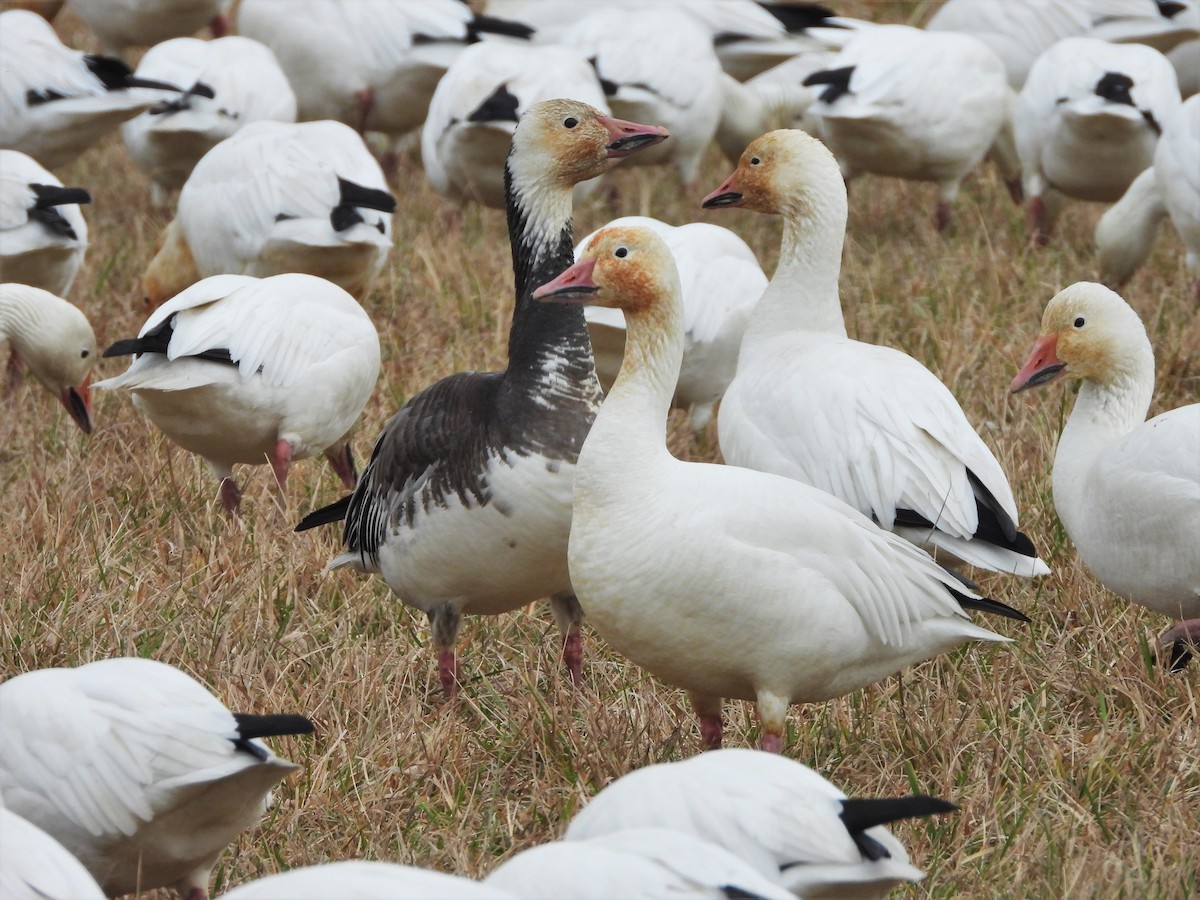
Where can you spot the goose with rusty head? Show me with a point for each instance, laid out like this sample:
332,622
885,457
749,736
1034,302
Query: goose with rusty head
864,422
726,581
1126,489
465,506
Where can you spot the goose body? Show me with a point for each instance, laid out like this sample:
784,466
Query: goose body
142,23
475,109
364,880
864,422
720,278
1127,490
913,104
135,768
34,864
1087,121
55,341
43,235
168,140
779,816
465,506
644,863
274,198
246,370
664,554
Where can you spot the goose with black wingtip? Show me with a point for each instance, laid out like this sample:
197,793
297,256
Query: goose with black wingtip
43,236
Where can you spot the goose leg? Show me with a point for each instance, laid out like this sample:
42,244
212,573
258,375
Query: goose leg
1039,221
708,711
1183,640
445,621
231,495
366,99
772,716
341,457
942,215
15,370
281,460
569,614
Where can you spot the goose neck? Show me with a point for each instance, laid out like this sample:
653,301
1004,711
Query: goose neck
20,318
1107,410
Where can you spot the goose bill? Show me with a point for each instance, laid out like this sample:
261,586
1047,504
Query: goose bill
629,137
78,402
575,285
726,195
1042,367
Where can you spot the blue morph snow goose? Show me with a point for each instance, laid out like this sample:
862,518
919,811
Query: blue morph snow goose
136,769
248,370
865,422
465,506
42,232
725,581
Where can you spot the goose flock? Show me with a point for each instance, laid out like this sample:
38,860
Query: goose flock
831,513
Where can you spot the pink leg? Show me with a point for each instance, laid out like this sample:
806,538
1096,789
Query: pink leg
942,215
573,655
342,459
1039,221
711,732
231,496
448,672
219,26
15,371
197,893
366,99
771,743
281,460
1183,640
1016,190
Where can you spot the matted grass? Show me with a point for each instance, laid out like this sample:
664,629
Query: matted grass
1072,755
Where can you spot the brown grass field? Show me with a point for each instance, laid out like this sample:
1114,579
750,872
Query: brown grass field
1072,754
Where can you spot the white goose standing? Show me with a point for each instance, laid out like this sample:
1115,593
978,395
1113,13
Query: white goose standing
1127,490
726,581
465,506
867,423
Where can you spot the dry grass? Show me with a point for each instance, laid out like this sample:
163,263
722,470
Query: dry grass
1072,756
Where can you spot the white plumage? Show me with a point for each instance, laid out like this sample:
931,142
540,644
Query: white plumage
135,768
43,235
141,23
246,370
364,880
864,422
35,865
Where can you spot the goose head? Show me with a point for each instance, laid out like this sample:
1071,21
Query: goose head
1087,332
571,142
783,172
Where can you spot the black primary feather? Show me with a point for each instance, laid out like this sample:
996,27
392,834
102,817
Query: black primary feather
334,512
860,815
501,106
251,726
609,87
796,17
52,195
351,198
988,605
1114,87
158,340
838,81
483,24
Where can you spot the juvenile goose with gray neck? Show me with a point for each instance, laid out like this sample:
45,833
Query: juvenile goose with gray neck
465,506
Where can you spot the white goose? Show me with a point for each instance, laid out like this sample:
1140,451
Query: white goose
248,370
56,342
141,23
247,85
475,109
776,814
278,197
1127,490
635,864
867,423
1087,121
721,279
364,880
913,104
136,769
721,580
465,506
43,236
1125,234
35,865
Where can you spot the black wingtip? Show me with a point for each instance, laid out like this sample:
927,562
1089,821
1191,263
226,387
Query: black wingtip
838,81
251,726
987,605
501,106
124,347
858,815
51,195
352,197
334,512
483,24
797,17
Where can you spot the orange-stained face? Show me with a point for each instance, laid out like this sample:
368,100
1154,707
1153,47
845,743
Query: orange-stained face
626,268
752,183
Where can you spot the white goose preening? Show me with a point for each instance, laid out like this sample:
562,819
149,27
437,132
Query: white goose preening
55,341
1087,121
1127,490
246,84
726,581
636,863
867,423
274,198
364,880
781,817
35,865
721,279
465,506
43,236
136,769
913,104
248,370
121,23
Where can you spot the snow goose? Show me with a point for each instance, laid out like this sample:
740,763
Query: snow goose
56,102
364,880
1087,121
907,103
657,64
721,279
247,85
278,197
642,863
867,423
248,370
776,814
670,560
55,341
35,865
42,232
465,506
1127,490
142,23
476,106
136,769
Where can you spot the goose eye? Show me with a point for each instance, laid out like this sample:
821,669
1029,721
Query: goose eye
1079,322
621,253
570,122
84,354
754,161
